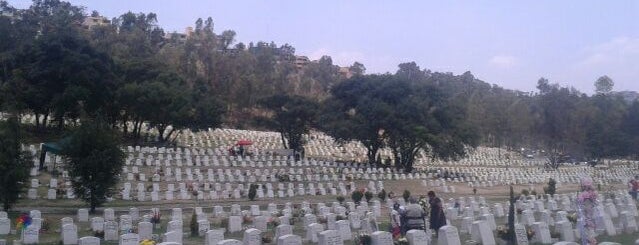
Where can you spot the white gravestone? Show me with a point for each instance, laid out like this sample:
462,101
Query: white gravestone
448,235
289,240
89,240
129,239
417,237
69,234
330,237
214,236
482,233
382,238
252,236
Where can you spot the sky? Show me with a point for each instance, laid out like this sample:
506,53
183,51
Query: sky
508,43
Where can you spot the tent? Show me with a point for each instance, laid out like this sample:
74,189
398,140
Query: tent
53,147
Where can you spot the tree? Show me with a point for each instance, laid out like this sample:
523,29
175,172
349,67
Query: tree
604,85
291,116
14,162
94,161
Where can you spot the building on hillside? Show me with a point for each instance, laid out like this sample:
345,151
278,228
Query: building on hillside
301,62
91,21
179,37
345,72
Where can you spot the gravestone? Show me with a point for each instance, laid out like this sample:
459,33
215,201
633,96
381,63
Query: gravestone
145,230
5,226
214,236
172,236
289,240
69,234
111,231
312,231
83,215
330,237
344,228
129,239
89,240
542,234
417,237
230,242
482,233
31,235
521,235
109,214
97,224
382,238
448,235
252,236
282,230
203,227
235,224
565,231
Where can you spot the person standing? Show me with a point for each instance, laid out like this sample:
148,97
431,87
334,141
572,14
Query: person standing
414,216
437,217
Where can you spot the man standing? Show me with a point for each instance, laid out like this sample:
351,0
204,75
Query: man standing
437,217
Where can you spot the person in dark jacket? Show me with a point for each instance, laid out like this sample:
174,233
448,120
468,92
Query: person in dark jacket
437,217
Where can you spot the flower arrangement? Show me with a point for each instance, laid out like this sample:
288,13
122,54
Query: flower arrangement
247,219
572,217
23,221
530,233
401,241
364,239
267,238
147,242
156,215
502,232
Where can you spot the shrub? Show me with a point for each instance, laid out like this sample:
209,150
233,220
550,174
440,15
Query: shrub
368,195
533,192
193,225
551,188
341,199
525,192
406,195
382,195
252,192
357,196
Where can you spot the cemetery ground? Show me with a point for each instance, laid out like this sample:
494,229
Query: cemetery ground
54,210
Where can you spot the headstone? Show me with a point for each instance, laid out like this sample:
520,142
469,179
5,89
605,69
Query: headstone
97,224
289,240
382,238
344,228
252,236
129,239
111,231
69,234
173,236
89,240
5,226
214,236
230,242
312,231
330,237
145,230
282,230
235,223
482,233
203,227
448,235
521,235
565,231
31,235
542,234
83,215
417,237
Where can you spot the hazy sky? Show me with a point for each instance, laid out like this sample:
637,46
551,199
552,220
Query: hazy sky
510,43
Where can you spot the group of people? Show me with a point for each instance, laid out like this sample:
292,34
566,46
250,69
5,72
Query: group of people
413,215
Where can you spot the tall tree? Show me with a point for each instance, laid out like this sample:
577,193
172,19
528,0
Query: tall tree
14,162
604,85
292,116
94,161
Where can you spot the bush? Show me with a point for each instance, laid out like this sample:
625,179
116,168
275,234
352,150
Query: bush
382,195
341,199
194,225
525,192
252,192
406,195
368,195
551,188
357,196
533,192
